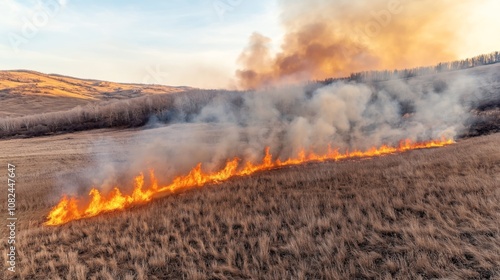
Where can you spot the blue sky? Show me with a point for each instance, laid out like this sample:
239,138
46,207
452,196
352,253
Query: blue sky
167,42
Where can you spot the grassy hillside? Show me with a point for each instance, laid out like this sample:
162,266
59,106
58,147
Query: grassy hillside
420,215
29,92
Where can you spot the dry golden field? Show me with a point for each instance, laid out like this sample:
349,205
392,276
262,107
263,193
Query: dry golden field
425,214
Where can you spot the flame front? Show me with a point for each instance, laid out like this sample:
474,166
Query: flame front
69,209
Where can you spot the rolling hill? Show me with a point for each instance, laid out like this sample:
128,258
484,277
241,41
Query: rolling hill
25,92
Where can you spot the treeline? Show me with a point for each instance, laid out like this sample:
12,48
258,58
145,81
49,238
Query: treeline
133,112
377,76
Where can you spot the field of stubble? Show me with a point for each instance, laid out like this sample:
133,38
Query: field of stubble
420,215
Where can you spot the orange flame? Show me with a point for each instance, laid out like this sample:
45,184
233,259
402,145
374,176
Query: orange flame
68,209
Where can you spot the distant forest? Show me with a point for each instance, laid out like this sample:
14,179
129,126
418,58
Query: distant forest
377,76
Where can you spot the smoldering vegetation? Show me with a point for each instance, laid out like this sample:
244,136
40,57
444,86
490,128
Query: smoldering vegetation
427,214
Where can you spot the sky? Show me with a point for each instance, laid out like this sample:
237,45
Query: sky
175,42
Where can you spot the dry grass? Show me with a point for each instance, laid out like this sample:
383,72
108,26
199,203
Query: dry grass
420,215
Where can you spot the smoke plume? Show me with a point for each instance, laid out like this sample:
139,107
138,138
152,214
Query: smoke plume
210,129
325,38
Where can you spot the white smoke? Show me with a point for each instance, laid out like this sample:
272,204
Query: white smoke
289,119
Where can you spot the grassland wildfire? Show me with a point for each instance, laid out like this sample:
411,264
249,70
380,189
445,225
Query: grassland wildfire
238,135
361,147
68,209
